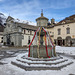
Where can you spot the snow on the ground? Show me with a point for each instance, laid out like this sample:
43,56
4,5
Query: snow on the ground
67,50
1,55
9,69
9,52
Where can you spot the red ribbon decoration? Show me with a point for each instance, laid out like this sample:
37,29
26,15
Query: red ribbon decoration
46,44
31,42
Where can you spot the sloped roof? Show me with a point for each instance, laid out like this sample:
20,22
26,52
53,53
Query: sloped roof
23,25
30,27
42,17
9,18
69,19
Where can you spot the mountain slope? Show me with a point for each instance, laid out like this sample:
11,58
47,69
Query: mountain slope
2,19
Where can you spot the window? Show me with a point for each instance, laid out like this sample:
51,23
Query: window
28,39
54,41
2,37
50,31
59,31
63,42
68,30
2,41
24,31
30,32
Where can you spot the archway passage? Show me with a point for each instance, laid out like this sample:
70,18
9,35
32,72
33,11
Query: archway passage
68,41
59,40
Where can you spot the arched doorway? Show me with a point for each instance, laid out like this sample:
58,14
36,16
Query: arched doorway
59,41
68,41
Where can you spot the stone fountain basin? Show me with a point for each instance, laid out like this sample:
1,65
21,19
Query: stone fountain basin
42,51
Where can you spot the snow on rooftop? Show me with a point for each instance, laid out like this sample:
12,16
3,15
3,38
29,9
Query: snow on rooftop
25,22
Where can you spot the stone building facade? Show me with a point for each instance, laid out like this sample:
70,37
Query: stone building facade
1,38
17,34
63,33
1,34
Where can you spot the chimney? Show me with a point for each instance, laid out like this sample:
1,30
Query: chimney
52,21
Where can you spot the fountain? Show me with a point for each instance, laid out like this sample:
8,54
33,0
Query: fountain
41,55
44,47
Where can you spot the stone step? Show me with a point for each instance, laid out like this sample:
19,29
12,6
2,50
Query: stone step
40,67
2,63
42,59
46,63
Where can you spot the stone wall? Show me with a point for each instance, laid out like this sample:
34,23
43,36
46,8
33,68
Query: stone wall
42,51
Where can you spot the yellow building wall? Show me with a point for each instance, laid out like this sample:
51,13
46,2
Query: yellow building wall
63,30
51,32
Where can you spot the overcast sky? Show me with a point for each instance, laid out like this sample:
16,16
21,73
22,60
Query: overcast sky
31,9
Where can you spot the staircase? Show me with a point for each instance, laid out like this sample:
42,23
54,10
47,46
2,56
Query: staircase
28,63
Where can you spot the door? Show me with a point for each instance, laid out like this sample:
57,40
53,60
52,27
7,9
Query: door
8,39
60,42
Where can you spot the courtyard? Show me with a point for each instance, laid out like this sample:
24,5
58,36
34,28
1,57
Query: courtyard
7,68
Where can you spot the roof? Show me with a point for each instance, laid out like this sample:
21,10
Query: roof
25,26
42,17
9,18
70,19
